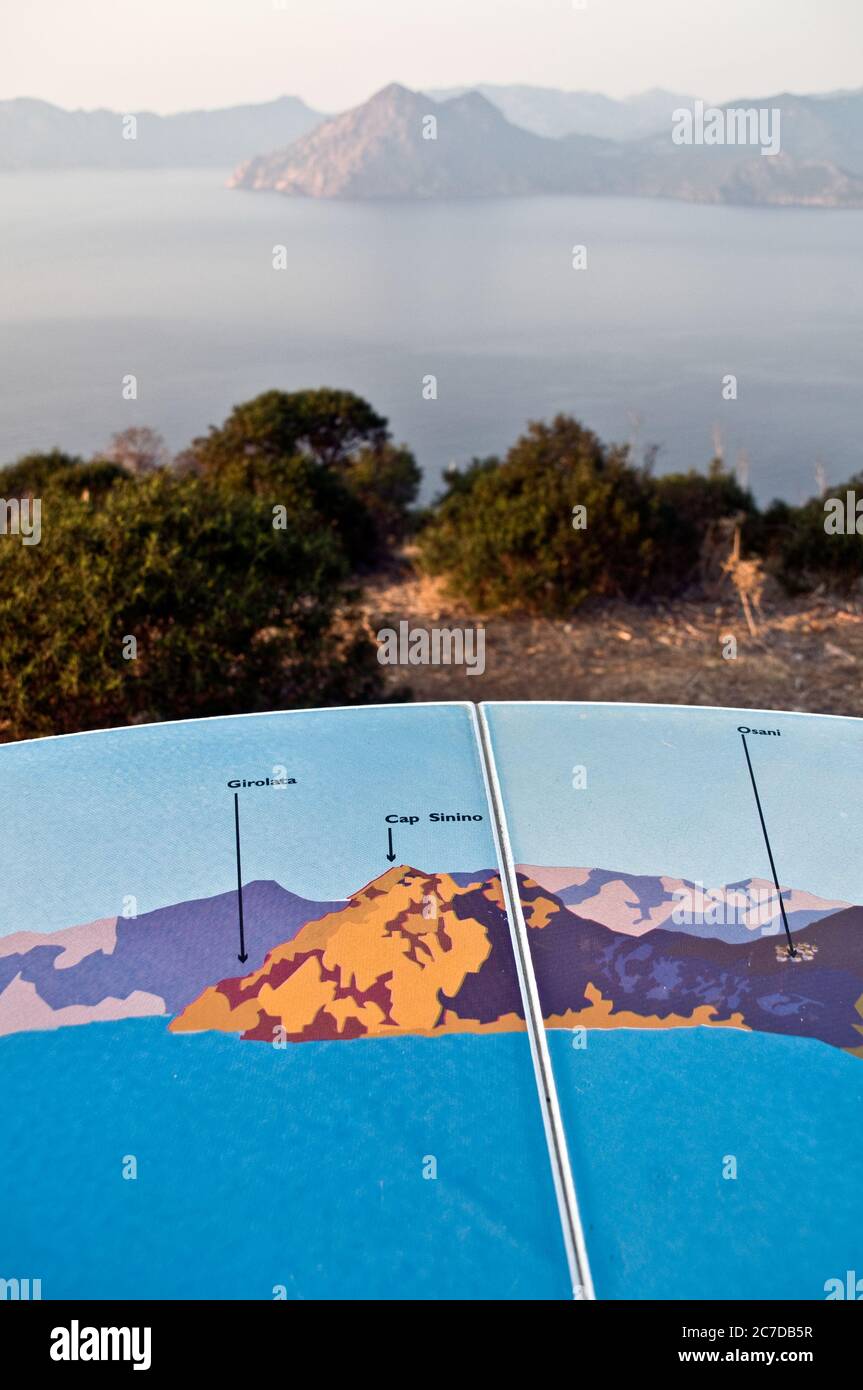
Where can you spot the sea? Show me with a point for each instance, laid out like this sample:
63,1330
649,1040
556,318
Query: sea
709,1163
268,1173
460,321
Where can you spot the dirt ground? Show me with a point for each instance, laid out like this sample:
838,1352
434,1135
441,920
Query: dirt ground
807,654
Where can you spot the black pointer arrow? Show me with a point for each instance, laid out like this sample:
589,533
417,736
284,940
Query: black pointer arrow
391,855
242,956
791,950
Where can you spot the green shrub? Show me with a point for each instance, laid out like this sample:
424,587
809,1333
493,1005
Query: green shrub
687,506
385,479
229,614
801,553
504,537
352,476
46,473
327,425
314,497
33,473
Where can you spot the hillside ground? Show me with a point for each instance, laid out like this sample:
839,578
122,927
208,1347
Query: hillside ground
807,654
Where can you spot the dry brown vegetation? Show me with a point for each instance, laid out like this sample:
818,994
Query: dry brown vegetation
807,654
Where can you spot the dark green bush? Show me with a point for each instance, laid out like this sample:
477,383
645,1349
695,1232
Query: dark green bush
332,447
33,473
385,479
45,473
229,614
503,532
327,425
313,497
687,507
801,553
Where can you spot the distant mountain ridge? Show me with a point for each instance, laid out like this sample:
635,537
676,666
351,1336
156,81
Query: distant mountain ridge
403,144
379,150
638,903
164,957
37,135
493,141
552,112
592,977
826,128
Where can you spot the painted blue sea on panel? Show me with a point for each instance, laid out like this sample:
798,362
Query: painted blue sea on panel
266,1173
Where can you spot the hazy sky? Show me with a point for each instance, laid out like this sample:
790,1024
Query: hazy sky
668,792
171,55
148,811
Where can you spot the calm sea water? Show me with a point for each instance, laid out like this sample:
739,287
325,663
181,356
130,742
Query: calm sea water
169,276
652,1118
259,1167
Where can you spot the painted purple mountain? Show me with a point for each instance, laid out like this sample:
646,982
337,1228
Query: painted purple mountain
152,964
591,976
634,904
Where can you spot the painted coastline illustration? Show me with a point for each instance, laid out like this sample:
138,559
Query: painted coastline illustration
429,953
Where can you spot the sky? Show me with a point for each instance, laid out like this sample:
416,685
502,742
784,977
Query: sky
668,792
91,819
169,55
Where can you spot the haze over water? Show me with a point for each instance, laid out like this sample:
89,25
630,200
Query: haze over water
168,275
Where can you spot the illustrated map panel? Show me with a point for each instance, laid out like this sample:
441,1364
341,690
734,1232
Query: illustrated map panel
241,1048
691,883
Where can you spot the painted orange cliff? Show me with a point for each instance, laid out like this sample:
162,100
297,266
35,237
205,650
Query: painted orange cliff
392,960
